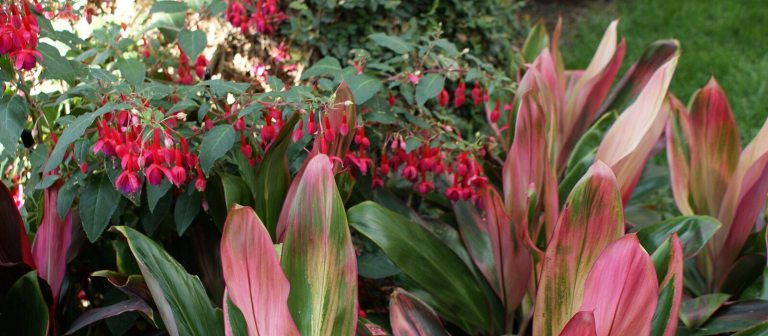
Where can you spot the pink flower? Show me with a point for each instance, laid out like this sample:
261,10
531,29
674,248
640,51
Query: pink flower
155,173
128,182
443,98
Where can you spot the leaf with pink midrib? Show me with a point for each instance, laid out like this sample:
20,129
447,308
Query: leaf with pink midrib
254,279
52,241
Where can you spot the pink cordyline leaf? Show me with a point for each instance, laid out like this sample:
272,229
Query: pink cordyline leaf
714,144
254,280
14,246
528,159
743,201
628,143
585,93
591,219
318,257
409,316
674,278
514,265
52,241
475,235
581,324
677,149
622,290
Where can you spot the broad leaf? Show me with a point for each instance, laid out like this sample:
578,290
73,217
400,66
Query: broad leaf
591,219
621,289
581,324
13,116
255,282
327,66
363,87
629,142
694,232
217,142
536,41
638,75
317,256
273,178
429,87
180,298
428,261
133,70
409,316
696,311
52,240
24,308
192,42
102,313
393,43
670,297
98,203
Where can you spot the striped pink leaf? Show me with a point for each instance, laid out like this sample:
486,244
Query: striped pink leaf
409,316
674,278
581,324
318,257
621,289
514,264
628,143
677,154
529,160
254,280
714,144
743,201
52,241
591,219
586,92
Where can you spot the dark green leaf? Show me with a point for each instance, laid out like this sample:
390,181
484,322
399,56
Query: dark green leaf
132,70
13,115
694,232
156,192
327,66
59,67
393,43
24,310
429,87
180,297
363,87
98,203
217,142
695,312
428,261
192,42
168,7
187,208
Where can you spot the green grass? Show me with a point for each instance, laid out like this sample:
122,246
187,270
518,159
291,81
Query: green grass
725,38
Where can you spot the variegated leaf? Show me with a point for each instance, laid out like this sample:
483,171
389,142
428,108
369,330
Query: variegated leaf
409,316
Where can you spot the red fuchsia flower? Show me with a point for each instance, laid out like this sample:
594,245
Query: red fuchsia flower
344,127
155,173
145,48
477,94
443,98
17,193
453,194
245,147
128,182
200,182
311,125
391,100
410,173
459,95
178,175
240,124
25,59
84,167
200,64
298,133
425,187
495,114
377,182
89,15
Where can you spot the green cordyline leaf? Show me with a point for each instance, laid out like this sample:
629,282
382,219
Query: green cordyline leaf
409,316
628,143
693,231
591,219
696,311
273,178
537,40
317,255
255,282
621,289
421,255
180,297
24,308
665,318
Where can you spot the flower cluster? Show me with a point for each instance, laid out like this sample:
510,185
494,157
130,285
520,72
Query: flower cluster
161,156
263,17
185,70
422,165
19,35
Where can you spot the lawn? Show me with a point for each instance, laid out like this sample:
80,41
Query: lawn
728,39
